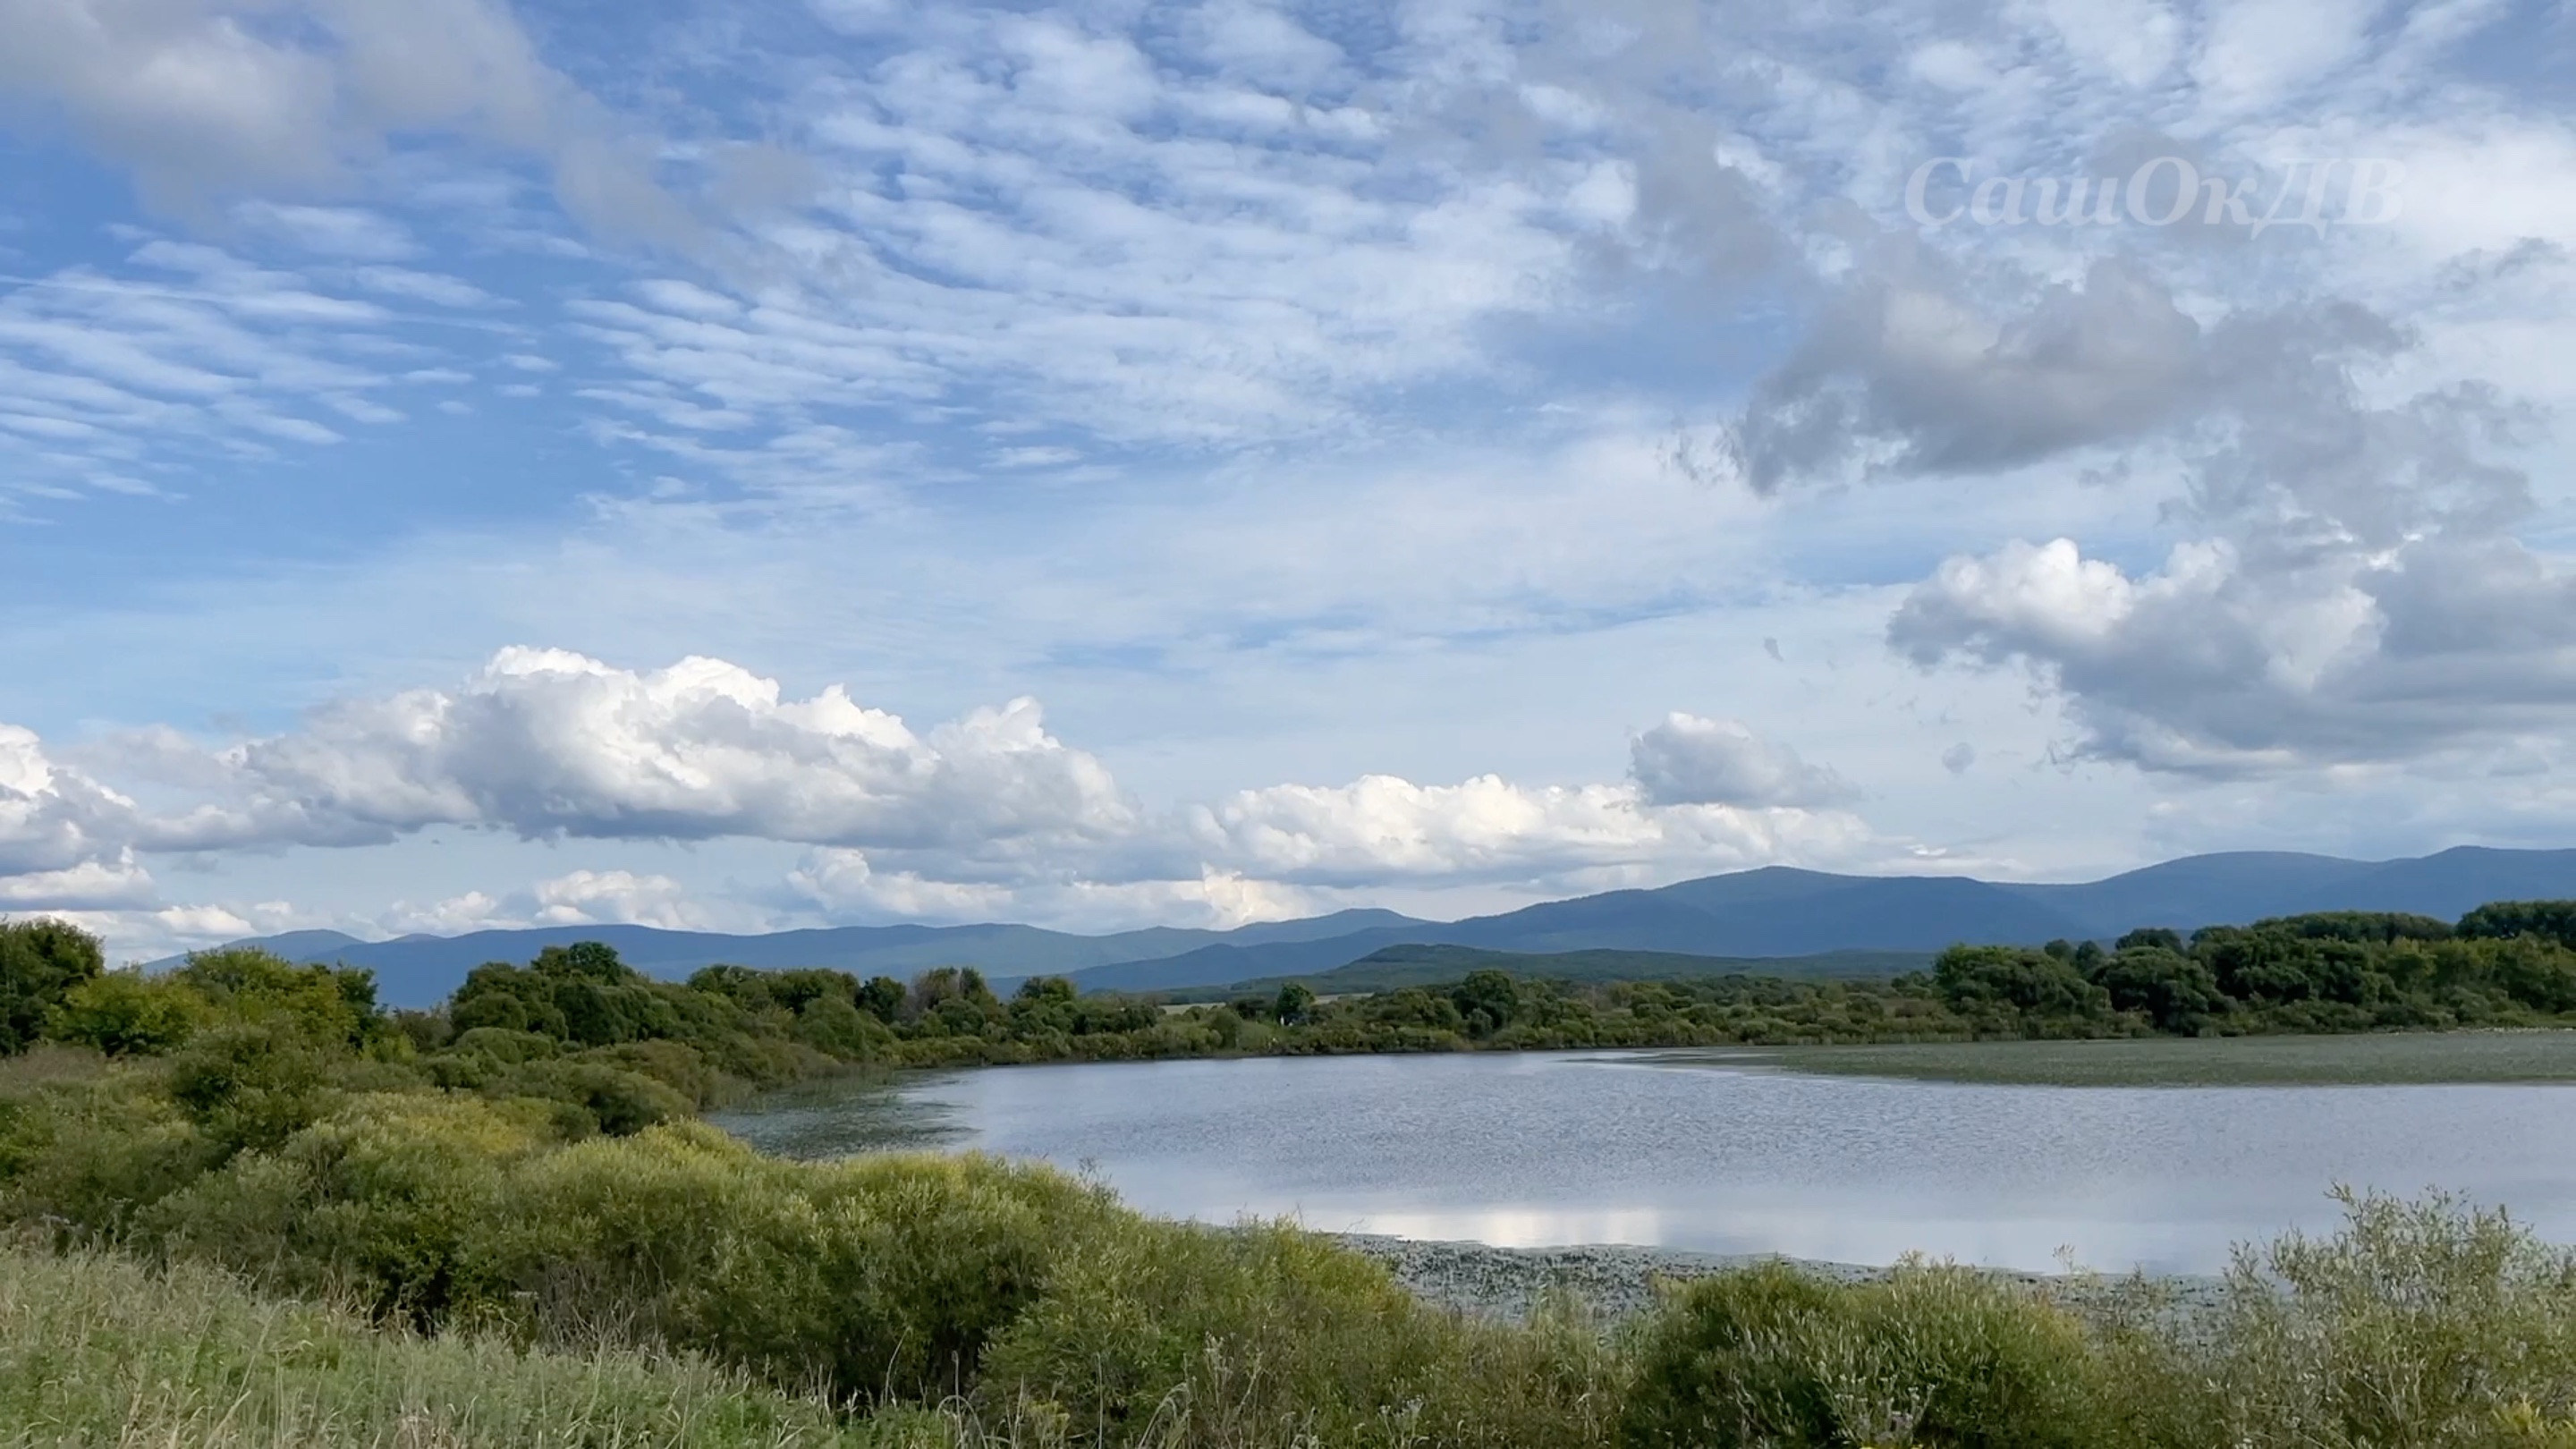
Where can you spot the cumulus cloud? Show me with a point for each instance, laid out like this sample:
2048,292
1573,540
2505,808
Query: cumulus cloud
2354,590
2220,664
1381,828
578,898
54,820
1906,372
844,885
548,743
983,817
1688,760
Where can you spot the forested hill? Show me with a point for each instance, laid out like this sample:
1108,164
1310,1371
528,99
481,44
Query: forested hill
1773,912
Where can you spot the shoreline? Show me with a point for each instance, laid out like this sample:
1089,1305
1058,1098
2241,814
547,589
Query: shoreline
1619,1281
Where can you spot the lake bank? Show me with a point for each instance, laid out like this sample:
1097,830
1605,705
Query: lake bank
1615,1282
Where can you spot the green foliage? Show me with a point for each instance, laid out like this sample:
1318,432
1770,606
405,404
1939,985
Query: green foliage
2018,986
381,1202
251,1085
1295,1004
1487,1001
99,1349
41,961
885,1275
2504,920
2176,994
126,1012
328,1007
1938,1356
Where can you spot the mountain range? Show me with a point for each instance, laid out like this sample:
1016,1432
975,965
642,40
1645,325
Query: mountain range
1776,911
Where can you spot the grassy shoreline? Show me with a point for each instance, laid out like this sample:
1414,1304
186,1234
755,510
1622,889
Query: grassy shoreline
2461,1057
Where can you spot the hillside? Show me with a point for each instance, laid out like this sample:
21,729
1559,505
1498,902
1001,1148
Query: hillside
1395,967
1773,912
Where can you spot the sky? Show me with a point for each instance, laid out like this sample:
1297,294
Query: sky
797,462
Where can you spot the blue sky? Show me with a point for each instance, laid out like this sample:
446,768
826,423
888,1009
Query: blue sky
850,460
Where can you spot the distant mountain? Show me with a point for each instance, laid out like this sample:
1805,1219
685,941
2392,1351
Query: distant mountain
420,970
1396,967
1771,913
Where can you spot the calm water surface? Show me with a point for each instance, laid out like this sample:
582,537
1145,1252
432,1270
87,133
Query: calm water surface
1557,1148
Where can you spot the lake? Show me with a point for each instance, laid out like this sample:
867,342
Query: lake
1723,1155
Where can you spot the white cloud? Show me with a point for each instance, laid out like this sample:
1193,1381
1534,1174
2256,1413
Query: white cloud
55,821
578,898
204,102
977,818
1382,829
2217,664
336,231
419,286
1687,760
545,742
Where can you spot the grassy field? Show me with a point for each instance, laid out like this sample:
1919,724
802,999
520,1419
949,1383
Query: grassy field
97,1349
2395,1059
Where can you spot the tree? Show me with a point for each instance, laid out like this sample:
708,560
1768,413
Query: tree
1295,1004
2035,983
40,962
1043,989
2503,920
1487,1001
126,1012
2177,993
882,998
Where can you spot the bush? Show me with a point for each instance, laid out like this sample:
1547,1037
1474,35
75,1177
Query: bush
878,1277
603,1097
123,1013
86,1159
40,962
2419,1323
252,1086
382,1202
1930,1355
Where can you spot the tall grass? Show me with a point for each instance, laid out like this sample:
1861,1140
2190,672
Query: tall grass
96,1349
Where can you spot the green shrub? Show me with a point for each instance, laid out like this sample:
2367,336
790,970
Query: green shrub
382,1202
1266,1337
2425,1323
126,1013
673,1064
85,1159
1931,1355
835,1026
252,1085
40,962
330,1008
1148,1317
608,1098
883,1276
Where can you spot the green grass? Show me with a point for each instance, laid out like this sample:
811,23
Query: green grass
98,1349
2392,1059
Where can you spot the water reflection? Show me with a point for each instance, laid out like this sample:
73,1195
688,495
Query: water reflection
1545,1149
